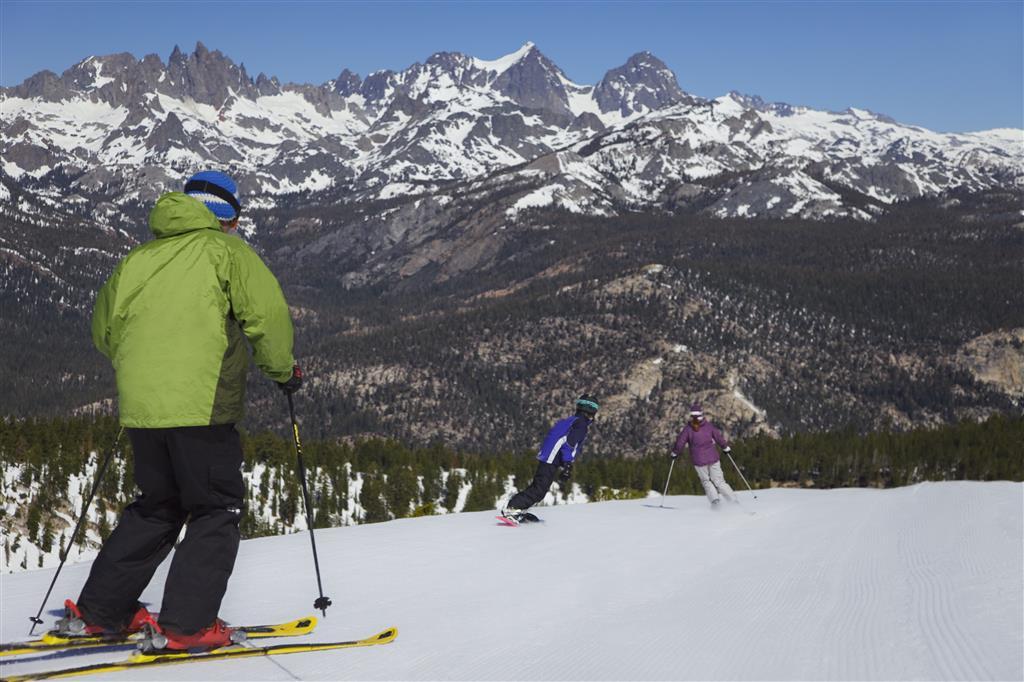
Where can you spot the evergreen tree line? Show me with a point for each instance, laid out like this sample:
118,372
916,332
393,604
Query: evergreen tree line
379,479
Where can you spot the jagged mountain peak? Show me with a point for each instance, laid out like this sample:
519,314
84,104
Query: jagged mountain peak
531,80
96,71
645,69
643,83
449,60
347,83
530,54
207,76
202,55
647,60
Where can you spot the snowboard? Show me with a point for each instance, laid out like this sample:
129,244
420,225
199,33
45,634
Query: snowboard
525,517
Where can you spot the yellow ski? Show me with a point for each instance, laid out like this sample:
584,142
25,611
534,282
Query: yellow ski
54,642
239,651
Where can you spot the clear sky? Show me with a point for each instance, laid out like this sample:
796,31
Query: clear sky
949,66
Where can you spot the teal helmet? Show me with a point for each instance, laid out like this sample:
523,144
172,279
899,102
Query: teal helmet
587,406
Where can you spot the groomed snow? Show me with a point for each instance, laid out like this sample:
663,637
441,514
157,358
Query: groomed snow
912,583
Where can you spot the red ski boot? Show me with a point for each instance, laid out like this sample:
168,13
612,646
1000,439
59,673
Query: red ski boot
215,636
73,624
140,619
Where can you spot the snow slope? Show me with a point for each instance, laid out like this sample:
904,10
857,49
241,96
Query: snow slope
913,583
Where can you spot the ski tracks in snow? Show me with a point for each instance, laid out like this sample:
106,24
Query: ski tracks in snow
955,587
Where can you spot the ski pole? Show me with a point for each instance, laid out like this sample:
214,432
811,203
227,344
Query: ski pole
36,620
740,473
667,479
322,602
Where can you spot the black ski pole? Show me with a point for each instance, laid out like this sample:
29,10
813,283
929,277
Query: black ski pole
36,620
322,602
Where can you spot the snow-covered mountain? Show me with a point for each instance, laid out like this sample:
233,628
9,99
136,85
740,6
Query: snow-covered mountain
921,582
454,195
121,129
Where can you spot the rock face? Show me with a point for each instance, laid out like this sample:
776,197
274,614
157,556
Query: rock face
996,359
534,82
643,83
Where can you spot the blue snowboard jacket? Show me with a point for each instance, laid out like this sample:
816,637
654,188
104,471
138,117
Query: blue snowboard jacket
564,442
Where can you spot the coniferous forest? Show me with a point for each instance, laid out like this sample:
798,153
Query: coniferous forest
819,325
49,466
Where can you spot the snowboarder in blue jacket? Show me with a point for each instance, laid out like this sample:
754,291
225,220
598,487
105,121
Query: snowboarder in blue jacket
562,446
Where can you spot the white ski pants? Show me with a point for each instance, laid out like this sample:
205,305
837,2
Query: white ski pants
713,480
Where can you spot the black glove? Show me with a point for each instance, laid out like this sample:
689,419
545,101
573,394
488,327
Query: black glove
293,384
566,472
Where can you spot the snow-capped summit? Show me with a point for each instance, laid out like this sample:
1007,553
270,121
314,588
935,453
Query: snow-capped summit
128,128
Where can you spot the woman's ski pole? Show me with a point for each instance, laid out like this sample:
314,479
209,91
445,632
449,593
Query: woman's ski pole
740,473
36,620
667,479
322,602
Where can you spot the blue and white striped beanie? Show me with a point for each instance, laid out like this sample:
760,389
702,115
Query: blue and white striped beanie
217,191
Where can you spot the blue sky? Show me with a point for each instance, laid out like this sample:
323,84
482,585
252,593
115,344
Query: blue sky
949,66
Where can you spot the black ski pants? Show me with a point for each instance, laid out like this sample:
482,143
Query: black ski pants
537,489
185,475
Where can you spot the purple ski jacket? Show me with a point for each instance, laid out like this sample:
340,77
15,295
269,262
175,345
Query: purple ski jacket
702,443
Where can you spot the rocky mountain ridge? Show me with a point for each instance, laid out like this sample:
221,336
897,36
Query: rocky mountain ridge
128,128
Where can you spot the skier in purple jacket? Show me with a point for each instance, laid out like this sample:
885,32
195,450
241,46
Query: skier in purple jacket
702,436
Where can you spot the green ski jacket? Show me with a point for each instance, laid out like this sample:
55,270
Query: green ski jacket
173,315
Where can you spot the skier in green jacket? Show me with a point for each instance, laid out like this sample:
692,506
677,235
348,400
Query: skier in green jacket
173,319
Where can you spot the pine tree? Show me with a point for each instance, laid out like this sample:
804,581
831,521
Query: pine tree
46,539
371,498
483,494
402,491
32,520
